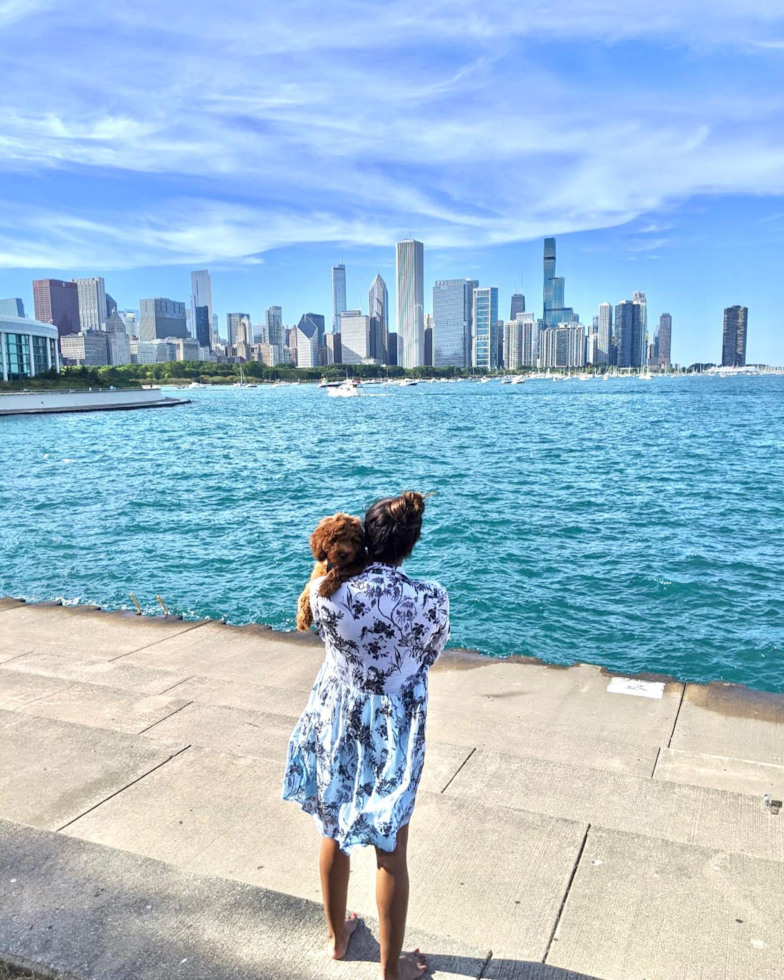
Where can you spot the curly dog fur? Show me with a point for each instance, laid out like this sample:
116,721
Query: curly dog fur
338,545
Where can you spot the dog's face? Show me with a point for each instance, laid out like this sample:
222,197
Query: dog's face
338,540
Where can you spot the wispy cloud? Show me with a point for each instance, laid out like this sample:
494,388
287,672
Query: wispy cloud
186,133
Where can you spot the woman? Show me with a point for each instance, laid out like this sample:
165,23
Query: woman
356,755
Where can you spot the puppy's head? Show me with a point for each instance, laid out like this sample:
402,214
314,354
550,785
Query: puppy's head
339,540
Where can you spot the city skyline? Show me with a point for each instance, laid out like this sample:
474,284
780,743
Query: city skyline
655,167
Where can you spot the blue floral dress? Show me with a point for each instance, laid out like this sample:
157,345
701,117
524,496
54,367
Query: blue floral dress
356,755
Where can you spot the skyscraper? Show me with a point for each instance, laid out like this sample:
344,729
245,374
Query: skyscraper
452,302
410,261
517,306
92,303
642,301
161,318
554,310
733,348
665,340
378,310
354,336
236,328
486,327
273,327
307,342
628,334
201,308
604,335
57,302
338,294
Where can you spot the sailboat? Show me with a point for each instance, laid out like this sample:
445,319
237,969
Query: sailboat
242,383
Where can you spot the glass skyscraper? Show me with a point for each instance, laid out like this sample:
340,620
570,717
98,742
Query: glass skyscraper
201,308
604,334
629,337
12,307
410,262
485,327
378,310
451,322
338,295
57,302
517,306
664,344
733,348
273,327
554,310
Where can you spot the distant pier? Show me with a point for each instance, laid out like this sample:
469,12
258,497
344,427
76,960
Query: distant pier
51,401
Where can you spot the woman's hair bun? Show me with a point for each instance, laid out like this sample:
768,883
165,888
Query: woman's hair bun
412,503
393,526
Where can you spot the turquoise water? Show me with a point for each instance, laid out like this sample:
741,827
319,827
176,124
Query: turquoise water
630,524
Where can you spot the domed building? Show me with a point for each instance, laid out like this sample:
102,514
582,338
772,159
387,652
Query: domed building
27,348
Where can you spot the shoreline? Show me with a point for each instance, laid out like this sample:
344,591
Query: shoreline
759,703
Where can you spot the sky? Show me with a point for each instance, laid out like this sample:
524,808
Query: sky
146,138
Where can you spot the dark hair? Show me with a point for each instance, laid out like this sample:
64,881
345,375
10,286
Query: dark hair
393,526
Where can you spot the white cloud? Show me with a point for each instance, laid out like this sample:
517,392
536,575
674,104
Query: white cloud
205,133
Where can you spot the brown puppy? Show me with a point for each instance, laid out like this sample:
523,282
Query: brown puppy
338,545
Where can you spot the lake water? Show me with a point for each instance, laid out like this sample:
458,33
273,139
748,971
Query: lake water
636,525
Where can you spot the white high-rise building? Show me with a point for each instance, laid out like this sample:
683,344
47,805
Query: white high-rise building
201,309
604,335
92,303
410,263
641,300
452,305
378,309
338,294
354,336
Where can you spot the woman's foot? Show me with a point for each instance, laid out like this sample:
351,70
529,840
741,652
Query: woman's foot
336,947
411,966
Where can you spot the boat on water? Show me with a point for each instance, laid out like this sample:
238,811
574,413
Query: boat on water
195,384
344,389
242,383
407,383
518,379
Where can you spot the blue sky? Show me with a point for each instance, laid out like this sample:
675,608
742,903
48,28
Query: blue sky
143,139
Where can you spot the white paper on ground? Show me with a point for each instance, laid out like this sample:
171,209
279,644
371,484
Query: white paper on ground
640,689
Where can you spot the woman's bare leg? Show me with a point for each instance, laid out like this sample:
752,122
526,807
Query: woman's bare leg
335,866
392,901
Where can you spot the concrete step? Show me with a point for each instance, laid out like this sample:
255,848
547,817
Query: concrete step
82,631
644,908
719,772
107,673
84,704
53,771
651,807
723,719
95,912
221,814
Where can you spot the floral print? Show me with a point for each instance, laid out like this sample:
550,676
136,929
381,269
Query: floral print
356,755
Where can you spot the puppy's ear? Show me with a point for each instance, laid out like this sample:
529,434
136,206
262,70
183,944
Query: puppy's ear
319,542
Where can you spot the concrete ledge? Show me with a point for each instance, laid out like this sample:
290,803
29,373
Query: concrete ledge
95,912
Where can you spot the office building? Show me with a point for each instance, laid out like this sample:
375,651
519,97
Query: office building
334,348
161,318
272,332
57,302
554,310
338,294
629,338
354,337
513,344
485,309
393,349
733,348
604,334
517,305
238,328
452,307
378,310
664,345
187,349
428,340
92,303
12,307
306,340
87,348
153,351
27,347
201,309
562,346
410,275
642,301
